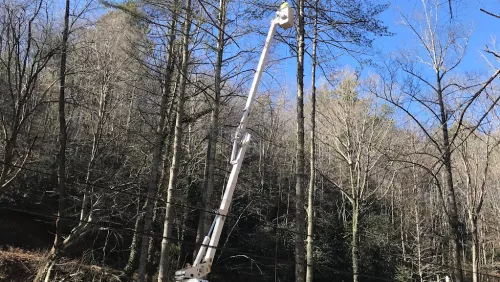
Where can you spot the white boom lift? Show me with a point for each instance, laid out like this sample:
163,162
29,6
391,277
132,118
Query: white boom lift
203,263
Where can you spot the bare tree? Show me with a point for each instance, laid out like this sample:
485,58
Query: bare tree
358,132
475,156
103,86
312,176
161,132
45,272
300,151
208,186
429,86
163,271
26,48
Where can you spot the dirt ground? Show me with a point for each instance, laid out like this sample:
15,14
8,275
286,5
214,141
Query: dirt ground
17,265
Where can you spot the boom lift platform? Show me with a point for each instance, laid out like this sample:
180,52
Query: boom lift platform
203,263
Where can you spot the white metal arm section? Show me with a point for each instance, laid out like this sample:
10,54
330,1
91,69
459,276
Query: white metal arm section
203,263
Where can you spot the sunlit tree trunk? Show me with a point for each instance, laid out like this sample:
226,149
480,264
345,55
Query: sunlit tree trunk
312,177
134,245
474,246
163,272
159,145
300,154
354,242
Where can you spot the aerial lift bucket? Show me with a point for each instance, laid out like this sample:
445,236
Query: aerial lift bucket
285,15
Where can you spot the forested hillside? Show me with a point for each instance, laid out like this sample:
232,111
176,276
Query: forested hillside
118,118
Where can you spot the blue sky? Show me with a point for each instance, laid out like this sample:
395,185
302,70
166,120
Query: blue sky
465,11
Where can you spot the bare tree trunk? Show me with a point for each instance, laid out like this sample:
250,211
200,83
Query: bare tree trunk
153,245
204,218
161,135
312,178
300,155
401,225
86,209
45,272
152,189
354,242
419,245
61,171
133,256
417,227
10,145
402,235
452,209
474,246
163,272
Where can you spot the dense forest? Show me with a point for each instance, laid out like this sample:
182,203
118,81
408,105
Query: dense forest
118,118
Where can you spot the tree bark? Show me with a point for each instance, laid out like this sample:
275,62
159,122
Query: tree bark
474,246
418,238
10,145
204,218
299,167
133,255
151,193
57,248
163,272
452,209
312,177
161,135
354,242
152,261
61,170
419,244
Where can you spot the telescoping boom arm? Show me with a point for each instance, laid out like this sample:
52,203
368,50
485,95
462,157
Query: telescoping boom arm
203,263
